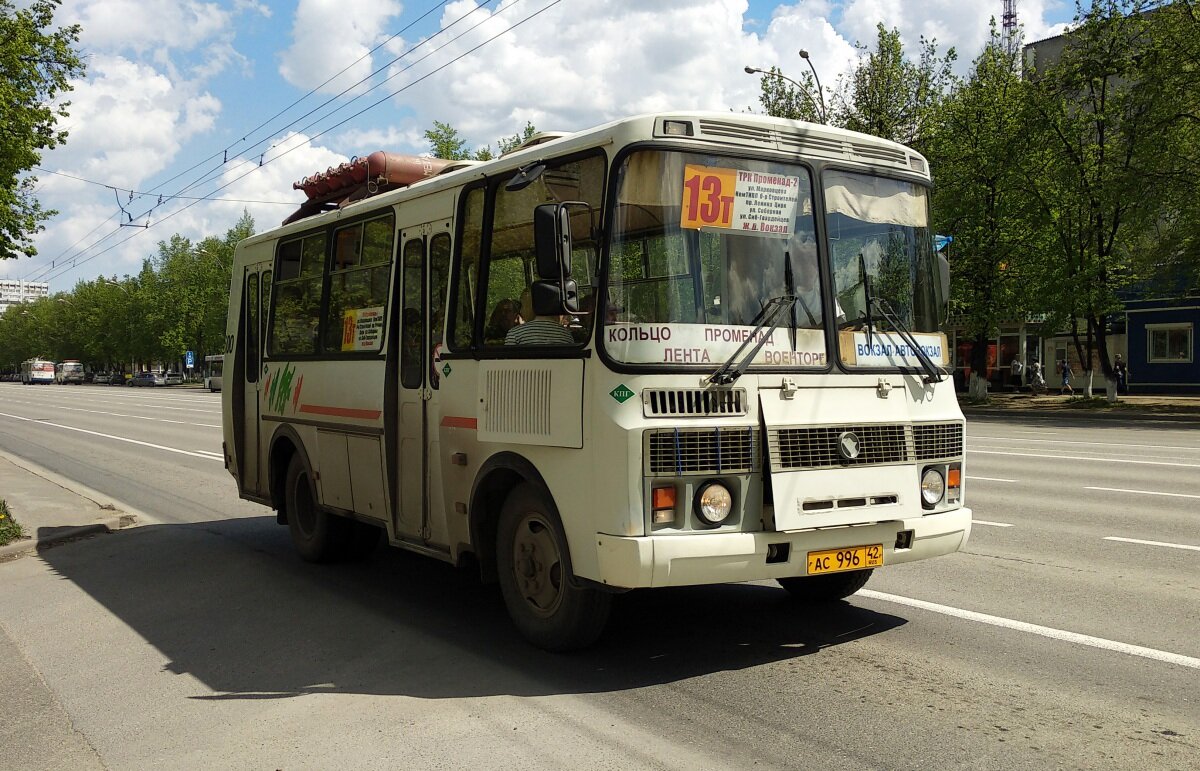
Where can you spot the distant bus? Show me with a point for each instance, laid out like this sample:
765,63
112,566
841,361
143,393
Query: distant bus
37,371
68,371
212,371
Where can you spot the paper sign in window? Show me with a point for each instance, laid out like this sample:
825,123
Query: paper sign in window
750,202
362,329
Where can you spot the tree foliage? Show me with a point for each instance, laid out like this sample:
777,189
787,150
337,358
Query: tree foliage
36,66
783,99
893,97
178,302
445,142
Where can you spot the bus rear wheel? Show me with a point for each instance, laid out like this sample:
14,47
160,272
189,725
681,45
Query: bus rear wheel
545,602
827,588
318,535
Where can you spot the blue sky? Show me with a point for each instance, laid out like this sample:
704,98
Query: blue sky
185,97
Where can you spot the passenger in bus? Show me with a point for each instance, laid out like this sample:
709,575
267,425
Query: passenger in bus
537,330
505,316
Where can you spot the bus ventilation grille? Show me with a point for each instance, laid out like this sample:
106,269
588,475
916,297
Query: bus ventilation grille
684,451
693,402
811,142
936,441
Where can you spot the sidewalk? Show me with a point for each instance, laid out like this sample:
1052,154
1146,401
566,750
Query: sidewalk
1129,407
52,509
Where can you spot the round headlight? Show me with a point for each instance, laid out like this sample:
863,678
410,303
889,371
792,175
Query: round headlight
933,486
713,503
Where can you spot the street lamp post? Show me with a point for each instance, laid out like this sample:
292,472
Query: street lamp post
818,102
820,90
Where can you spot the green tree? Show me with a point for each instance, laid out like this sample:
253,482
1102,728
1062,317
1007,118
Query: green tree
890,96
976,151
1100,123
445,142
36,66
783,99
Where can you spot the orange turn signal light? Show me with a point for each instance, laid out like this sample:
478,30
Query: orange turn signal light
662,498
953,478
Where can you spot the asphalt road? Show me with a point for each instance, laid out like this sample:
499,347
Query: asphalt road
1064,636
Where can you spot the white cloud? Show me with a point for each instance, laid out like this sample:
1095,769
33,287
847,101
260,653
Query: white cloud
329,36
143,25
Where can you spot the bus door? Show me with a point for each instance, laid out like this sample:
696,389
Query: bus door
256,297
425,272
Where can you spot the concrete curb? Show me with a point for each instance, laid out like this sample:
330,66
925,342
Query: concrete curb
28,545
1080,414
122,516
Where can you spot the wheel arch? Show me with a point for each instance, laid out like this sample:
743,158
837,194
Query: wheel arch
285,443
497,477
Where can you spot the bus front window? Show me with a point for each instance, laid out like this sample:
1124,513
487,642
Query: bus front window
701,246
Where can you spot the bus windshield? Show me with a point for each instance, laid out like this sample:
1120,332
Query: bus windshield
702,244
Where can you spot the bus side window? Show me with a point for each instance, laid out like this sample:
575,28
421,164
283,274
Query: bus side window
470,242
252,328
297,308
439,277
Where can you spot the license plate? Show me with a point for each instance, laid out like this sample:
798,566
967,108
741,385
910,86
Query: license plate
850,558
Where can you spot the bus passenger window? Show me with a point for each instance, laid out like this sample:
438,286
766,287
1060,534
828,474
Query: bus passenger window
358,287
295,320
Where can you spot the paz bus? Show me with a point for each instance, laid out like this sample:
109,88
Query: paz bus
68,371
36,370
676,349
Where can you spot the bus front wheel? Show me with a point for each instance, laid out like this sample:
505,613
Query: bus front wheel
827,588
545,602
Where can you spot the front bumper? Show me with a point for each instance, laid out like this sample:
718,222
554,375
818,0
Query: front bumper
716,558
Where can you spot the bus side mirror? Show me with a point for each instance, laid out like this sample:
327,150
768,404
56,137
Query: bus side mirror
552,241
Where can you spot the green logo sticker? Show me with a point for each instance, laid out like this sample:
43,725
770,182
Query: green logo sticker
446,370
621,393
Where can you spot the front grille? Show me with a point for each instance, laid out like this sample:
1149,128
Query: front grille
937,441
683,451
693,402
817,447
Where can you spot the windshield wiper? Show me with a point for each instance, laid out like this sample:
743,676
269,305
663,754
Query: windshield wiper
768,318
933,373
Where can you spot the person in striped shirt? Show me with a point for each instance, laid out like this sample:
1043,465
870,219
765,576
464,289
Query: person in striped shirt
537,330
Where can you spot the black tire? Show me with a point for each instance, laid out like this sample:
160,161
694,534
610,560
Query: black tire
545,603
827,588
318,535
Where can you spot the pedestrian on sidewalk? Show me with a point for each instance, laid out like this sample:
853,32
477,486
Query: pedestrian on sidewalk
1037,382
1065,369
1122,374
1015,370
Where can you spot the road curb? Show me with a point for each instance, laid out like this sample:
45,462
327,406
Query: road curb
1066,412
29,545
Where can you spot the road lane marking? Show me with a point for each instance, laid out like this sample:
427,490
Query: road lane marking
1077,457
1141,492
115,414
1042,631
1091,444
1153,543
990,524
989,479
111,436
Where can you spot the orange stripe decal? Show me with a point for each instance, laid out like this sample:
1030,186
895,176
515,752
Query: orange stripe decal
340,412
451,421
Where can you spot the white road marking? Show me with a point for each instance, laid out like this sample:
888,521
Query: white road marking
992,524
1141,492
1042,631
1077,457
111,436
216,455
1153,543
1092,444
116,414
989,479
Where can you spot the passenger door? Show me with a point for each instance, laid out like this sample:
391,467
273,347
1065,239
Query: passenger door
425,271
256,296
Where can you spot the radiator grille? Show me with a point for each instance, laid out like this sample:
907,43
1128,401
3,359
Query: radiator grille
935,441
693,402
817,447
683,451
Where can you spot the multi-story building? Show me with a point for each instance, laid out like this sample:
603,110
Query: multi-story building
13,291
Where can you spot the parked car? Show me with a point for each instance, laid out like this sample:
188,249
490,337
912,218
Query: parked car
102,378
118,378
148,379
173,378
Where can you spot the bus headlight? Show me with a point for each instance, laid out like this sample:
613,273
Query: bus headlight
713,503
933,487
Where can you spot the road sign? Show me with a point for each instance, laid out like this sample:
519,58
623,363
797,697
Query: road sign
190,359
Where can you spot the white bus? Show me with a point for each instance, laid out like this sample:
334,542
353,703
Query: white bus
35,371
68,371
213,364
676,349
